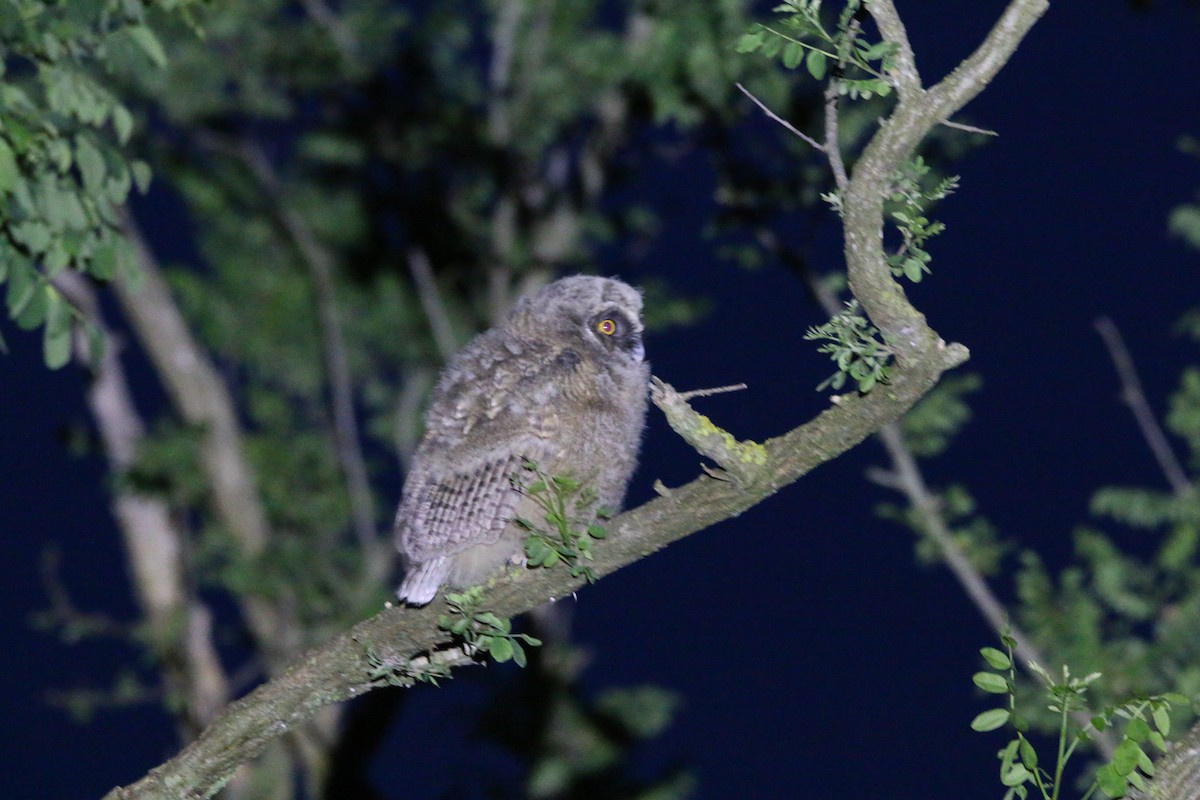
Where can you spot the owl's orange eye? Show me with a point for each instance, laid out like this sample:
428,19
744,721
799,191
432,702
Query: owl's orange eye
607,327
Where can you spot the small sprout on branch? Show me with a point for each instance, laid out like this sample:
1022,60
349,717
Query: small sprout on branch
853,346
572,521
427,668
907,208
483,631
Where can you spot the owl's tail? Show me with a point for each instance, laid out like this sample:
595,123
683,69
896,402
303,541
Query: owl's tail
422,582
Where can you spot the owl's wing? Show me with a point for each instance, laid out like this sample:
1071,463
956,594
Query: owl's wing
445,513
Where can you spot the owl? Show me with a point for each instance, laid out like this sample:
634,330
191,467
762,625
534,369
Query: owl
562,383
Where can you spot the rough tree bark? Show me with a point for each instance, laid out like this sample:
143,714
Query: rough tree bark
401,641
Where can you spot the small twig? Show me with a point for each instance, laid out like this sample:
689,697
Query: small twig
833,148
431,303
733,387
962,126
63,614
1133,396
808,139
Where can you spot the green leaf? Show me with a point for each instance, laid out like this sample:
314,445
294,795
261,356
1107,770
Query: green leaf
1138,730
1125,759
996,659
1028,754
815,62
22,284
56,339
991,682
565,484
1110,782
90,161
1162,720
1015,776
876,51
500,648
913,270
518,655
141,175
122,122
151,46
793,54
990,720
103,263
33,313
749,42
10,173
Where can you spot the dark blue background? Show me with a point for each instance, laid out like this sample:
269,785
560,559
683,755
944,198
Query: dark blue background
815,656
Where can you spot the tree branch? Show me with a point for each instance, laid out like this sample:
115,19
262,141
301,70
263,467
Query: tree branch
1134,397
792,128
431,303
202,399
915,115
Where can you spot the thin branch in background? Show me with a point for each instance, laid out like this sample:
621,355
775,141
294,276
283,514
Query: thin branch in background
64,616
406,433
320,266
792,128
907,475
341,35
1134,396
431,303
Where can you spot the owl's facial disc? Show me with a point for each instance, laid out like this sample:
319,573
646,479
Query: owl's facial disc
615,332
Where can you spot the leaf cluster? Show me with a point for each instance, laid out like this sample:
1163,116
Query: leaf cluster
1023,771
64,166
851,342
804,36
569,511
910,198
482,631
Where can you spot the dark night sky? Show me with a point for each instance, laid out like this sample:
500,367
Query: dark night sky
816,658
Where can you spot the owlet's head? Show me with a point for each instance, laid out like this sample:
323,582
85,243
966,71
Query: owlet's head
601,316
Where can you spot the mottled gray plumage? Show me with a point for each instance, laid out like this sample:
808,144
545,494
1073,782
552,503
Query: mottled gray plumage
561,382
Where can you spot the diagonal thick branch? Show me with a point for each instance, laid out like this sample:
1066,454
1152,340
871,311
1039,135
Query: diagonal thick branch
348,664
202,399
